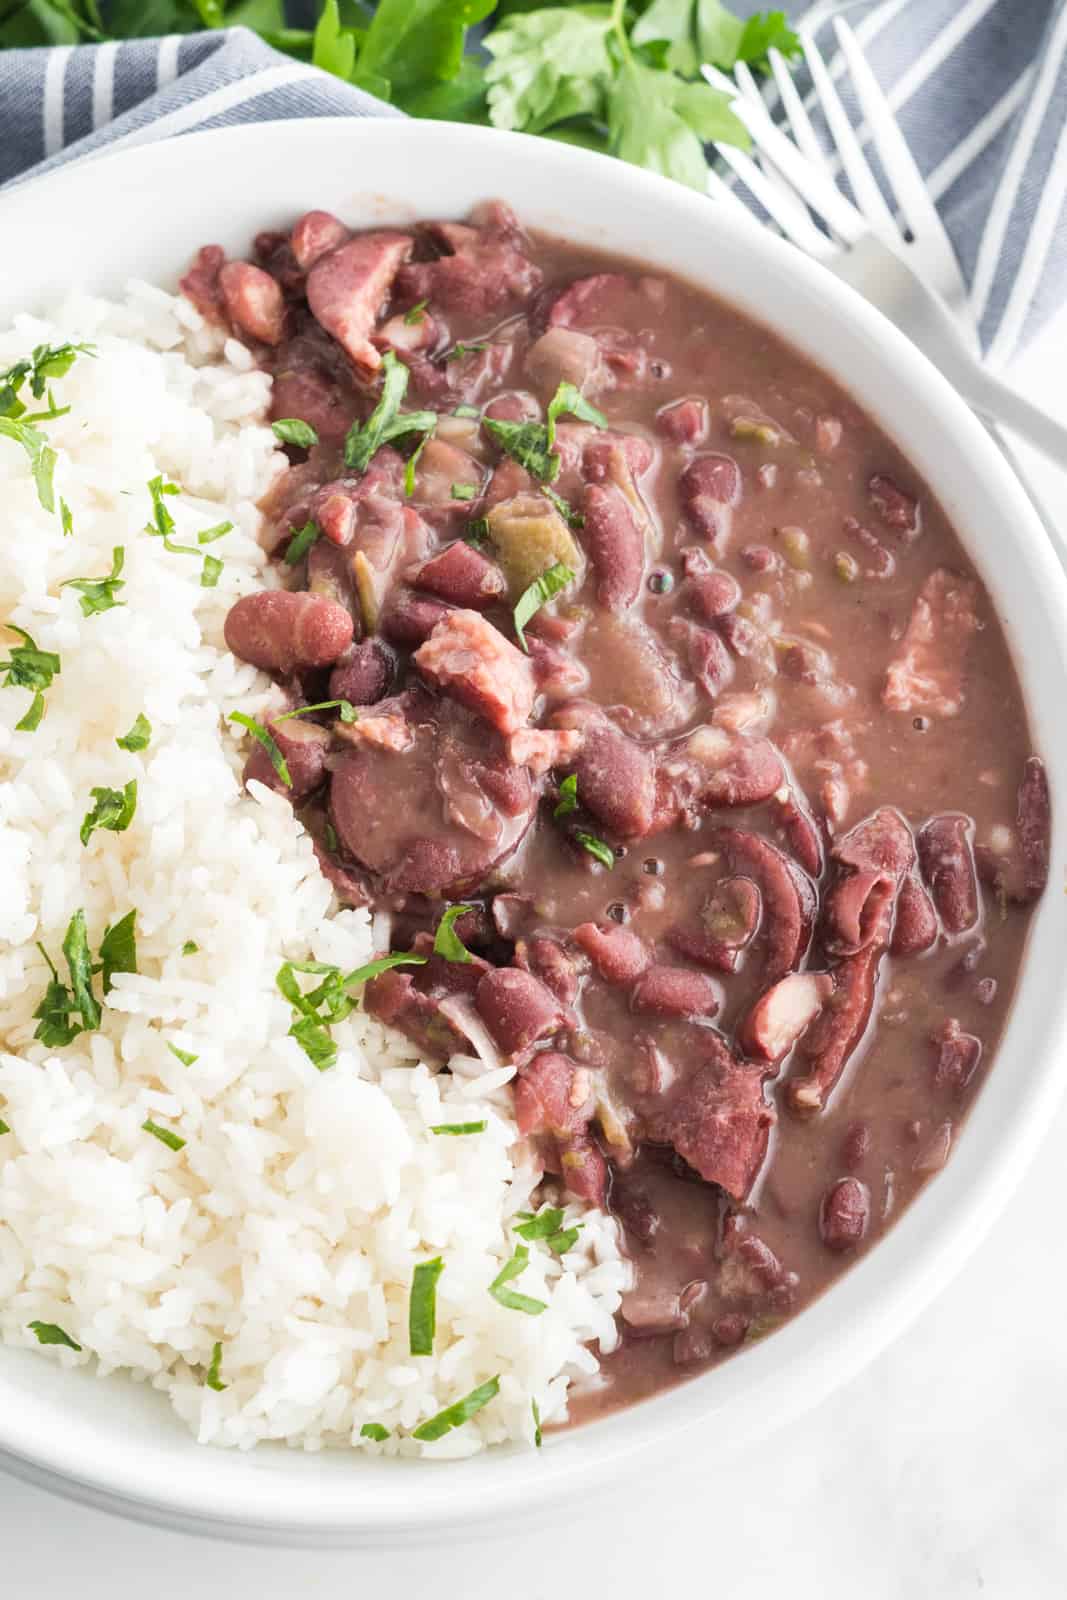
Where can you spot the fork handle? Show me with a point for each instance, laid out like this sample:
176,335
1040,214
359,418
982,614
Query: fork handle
998,402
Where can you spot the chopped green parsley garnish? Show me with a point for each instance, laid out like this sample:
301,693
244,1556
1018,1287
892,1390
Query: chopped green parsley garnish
49,1333
536,1412
62,1001
414,316
186,1057
173,1141
458,351
315,1011
290,430
98,594
457,1129
546,1222
532,444
138,736
374,1430
345,710
539,593
570,401
386,421
42,457
213,1377
46,363
597,848
507,1297
113,809
3,1126
190,948
66,518
446,941
570,514
29,668
413,461
422,1306
301,542
464,491
455,1416
466,411
260,733
477,530
162,526
568,796
118,949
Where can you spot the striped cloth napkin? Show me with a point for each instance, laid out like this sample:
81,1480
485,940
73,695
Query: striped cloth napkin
979,87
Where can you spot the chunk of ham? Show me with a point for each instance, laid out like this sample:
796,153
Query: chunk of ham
540,749
927,672
470,659
347,287
719,1121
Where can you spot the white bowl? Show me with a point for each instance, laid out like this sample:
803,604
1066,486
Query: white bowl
142,212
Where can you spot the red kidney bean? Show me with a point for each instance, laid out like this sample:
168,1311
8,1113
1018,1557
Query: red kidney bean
856,1145
897,510
788,897
708,488
548,960
283,631
304,746
617,954
461,575
615,545
728,922
947,862
844,1214
366,674
958,1055
713,594
675,992
916,927
254,301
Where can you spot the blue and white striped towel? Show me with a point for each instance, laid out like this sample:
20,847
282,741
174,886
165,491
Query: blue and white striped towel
979,87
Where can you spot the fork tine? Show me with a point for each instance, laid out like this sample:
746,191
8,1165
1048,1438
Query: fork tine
897,160
799,121
751,93
786,210
820,193
868,196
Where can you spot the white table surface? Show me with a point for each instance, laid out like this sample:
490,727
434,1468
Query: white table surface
941,1471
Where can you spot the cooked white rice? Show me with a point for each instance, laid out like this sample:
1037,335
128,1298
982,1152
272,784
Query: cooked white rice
288,1227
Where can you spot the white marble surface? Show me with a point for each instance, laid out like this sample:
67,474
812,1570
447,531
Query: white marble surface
940,1472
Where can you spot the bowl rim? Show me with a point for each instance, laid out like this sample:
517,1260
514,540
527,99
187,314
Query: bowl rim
857,1318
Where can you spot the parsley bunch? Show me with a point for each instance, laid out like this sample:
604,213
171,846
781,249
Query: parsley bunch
620,76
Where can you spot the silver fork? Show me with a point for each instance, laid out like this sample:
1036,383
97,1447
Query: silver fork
913,275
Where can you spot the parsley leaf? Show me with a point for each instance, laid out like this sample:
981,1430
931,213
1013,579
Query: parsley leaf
455,1415
98,594
569,400
508,1298
422,1306
138,736
446,941
42,457
527,443
570,514
724,39
190,948
536,1413
118,949
290,430
413,317
113,809
29,668
386,421
258,731
173,1141
568,796
596,848
186,1057
458,1129
658,121
213,1378
49,1333
301,543
548,66
347,711
373,1430
538,594
162,526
